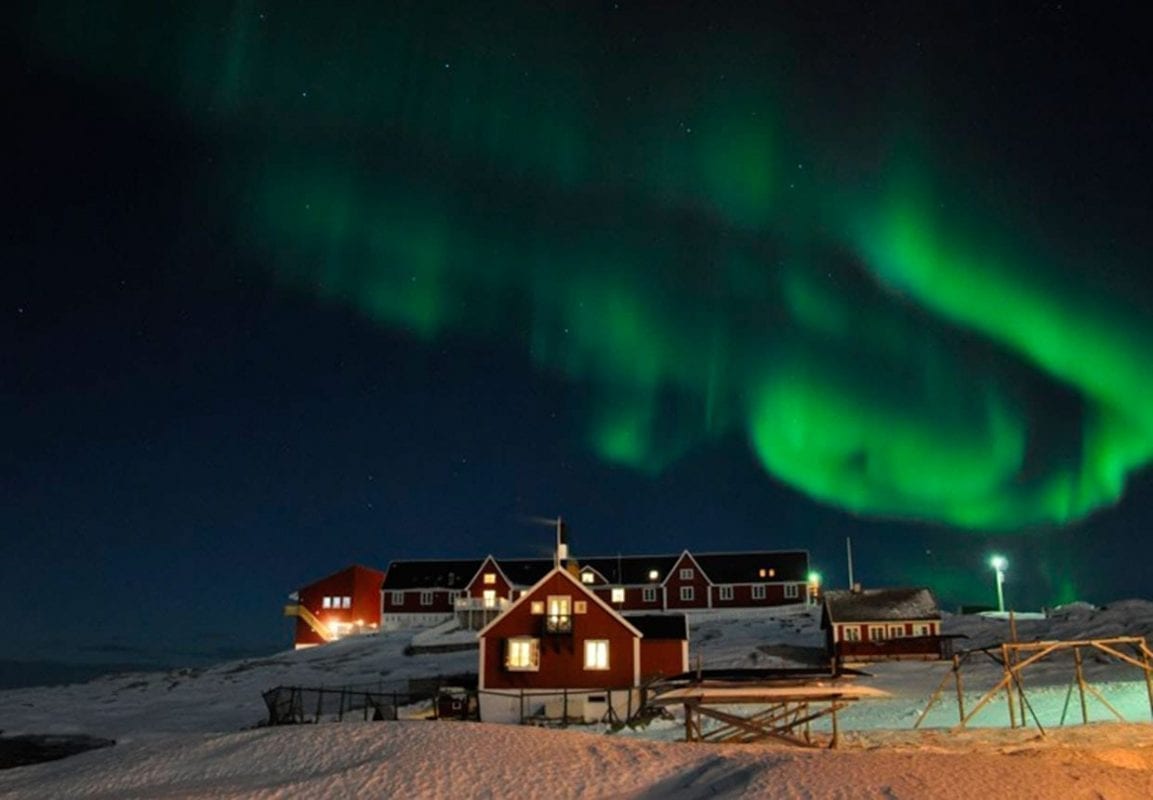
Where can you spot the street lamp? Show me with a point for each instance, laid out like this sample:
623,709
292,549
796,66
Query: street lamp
999,563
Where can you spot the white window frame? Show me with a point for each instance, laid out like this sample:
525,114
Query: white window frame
922,629
346,602
588,577
876,633
896,631
596,654
758,592
851,633
618,594
326,602
398,598
489,579
791,591
426,598
650,594
687,594
522,654
686,573
488,598
725,592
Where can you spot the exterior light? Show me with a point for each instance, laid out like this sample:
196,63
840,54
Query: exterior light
999,564
653,574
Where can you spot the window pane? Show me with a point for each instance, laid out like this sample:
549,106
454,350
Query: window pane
596,654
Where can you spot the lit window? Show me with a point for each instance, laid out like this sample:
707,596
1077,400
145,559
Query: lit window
596,654
686,574
852,633
327,602
772,572
559,617
398,598
921,629
896,631
762,573
346,602
587,577
726,592
580,607
759,591
490,578
522,654
537,607
653,574
650,594
490,598
791,590
426,598
876,633
618,594
686,593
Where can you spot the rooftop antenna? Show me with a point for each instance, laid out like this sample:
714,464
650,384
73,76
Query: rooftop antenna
849,553
560,553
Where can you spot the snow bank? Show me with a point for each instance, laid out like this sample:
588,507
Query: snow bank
470,760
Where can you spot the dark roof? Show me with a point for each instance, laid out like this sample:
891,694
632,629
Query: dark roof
431,574
779,565
880,605
660,626
524,571
630,570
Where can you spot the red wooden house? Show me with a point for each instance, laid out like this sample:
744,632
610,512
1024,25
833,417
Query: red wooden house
344,603
428,592
882,624
558,642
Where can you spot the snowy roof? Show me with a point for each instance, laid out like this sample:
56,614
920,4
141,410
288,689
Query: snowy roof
876,605
660,626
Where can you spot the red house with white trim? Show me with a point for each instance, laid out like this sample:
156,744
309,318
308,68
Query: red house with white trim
560,642
883,624
341,604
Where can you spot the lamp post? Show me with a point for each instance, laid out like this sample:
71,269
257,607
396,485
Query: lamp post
999,564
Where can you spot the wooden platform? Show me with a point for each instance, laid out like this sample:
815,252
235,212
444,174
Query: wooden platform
782,711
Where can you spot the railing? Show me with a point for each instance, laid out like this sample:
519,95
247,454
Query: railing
557,624
480,604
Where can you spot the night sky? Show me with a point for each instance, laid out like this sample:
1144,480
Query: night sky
290,286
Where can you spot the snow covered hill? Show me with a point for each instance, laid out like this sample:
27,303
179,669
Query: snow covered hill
184,732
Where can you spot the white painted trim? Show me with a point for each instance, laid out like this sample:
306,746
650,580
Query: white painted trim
637,661
483,666
575,582
677,566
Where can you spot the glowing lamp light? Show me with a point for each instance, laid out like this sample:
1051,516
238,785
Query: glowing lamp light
815,578
653,574
999,564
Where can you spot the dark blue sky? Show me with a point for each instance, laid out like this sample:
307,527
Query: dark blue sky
186,439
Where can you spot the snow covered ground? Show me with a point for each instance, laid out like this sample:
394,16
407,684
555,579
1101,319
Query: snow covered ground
191,733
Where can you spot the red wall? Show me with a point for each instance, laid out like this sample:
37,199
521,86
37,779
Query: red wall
441,602
699,583
477,587
360,583
561,656
662,658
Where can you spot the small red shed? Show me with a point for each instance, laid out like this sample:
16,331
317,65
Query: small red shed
561,644
341,604
883,624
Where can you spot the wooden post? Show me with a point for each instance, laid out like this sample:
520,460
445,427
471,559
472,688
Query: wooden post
1148,679
960,690
1008,679
688,723
833,741
1080,684
522,706
564,708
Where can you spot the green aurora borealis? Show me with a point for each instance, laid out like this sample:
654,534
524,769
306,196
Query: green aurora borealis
700,238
